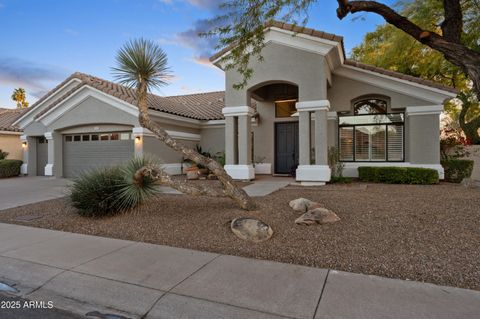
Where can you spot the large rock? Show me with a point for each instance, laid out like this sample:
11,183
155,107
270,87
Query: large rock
317,216
251,229
303,204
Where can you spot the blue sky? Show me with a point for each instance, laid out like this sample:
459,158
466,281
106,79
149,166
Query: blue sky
42,42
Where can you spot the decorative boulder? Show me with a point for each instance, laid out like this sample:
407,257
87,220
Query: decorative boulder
317,216
251,229
303,204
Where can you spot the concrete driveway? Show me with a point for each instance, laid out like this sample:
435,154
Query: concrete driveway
20,191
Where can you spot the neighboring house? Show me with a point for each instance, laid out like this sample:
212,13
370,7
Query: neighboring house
9,134
303,98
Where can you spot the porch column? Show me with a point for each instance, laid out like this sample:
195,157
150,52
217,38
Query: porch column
51,154
54,162
25,151
319,172
238,142
138,134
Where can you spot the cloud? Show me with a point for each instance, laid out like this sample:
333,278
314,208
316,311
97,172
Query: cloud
35,78
205,4
203,47
71,32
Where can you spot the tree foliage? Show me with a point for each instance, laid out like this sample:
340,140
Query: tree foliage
393,49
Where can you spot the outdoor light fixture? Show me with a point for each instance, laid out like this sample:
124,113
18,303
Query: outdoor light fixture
24,144
138,139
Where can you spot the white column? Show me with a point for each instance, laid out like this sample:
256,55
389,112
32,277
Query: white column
319,172
25,147
138,134
238,144
51,154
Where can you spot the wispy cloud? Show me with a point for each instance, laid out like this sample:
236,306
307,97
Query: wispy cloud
203,47
71,32
205,4
34,77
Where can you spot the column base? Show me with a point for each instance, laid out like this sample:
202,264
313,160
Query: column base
49,170
313,173
24,169
242,172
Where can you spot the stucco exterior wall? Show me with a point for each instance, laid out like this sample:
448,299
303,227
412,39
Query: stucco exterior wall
284,64
93,111
344,90
213,139
155,147
11,143
424,139
475,156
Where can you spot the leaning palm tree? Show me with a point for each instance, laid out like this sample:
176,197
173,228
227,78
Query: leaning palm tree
142,65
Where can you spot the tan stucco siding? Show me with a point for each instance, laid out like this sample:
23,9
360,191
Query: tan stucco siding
11,144
164,154
213,139
93,111
282,63
344,90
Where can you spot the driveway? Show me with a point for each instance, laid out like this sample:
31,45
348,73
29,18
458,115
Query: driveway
21,191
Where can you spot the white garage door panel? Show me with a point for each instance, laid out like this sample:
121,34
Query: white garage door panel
82,156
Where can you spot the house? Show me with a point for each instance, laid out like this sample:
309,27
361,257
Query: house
10,135
302,99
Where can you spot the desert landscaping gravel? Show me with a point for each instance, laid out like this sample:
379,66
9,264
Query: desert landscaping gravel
423,233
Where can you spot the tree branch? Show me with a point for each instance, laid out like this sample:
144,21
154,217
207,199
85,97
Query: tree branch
452,25
158,175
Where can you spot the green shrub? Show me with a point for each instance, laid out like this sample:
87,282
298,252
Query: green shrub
398,175
112,190
10,168
457,169
340,180
95,193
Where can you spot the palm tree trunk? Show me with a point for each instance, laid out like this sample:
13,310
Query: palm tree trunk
230,189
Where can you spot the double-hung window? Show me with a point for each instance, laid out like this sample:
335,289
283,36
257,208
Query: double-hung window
371,134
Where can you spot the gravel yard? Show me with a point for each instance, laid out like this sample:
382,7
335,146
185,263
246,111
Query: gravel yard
424,233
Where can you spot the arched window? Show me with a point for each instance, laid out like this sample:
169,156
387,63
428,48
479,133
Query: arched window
370,106
371,134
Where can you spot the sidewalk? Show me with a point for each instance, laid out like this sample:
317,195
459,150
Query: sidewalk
83,274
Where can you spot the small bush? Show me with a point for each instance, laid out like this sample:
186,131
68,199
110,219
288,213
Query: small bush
3,155
94,194
398,175
113,190
340,180
457,169
10,168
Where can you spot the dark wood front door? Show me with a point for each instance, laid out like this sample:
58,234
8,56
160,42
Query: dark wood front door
286,148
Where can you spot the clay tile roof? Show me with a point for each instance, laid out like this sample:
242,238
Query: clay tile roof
8,116
201,106
400,76
288,27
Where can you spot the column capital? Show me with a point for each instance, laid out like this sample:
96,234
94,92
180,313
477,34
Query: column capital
424,110
318,105
141,131
48,135
237,111
332,115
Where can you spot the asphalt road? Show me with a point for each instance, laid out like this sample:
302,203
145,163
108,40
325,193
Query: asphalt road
24,312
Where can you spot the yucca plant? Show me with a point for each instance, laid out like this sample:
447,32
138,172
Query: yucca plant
109,191
135,191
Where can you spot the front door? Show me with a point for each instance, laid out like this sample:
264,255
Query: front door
286,148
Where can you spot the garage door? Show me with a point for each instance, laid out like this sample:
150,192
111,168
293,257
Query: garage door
84,152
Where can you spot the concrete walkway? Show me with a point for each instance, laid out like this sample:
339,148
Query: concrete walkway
266,184
84,274
21,191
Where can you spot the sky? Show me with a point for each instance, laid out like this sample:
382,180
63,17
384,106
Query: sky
43,42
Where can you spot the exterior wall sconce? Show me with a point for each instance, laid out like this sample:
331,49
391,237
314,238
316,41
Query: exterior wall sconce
24,144
138,139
